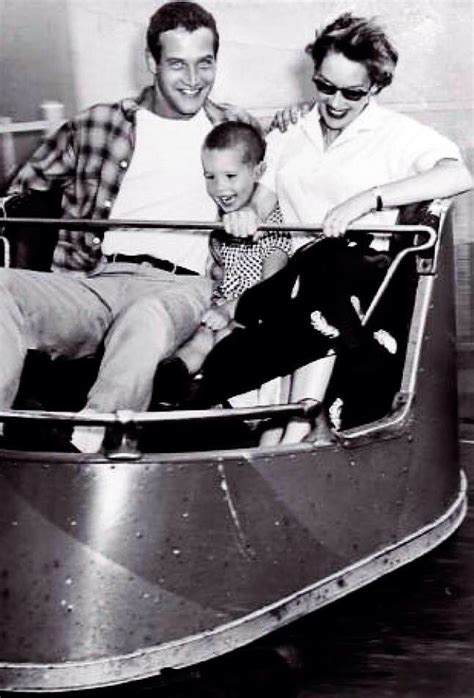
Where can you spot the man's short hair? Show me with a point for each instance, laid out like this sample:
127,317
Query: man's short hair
361,40
180,13
231,134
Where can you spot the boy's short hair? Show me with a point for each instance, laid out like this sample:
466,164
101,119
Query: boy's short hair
180,13
231,134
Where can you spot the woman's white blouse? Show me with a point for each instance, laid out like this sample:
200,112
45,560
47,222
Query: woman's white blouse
378,147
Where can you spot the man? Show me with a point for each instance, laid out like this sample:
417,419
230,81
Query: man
140,294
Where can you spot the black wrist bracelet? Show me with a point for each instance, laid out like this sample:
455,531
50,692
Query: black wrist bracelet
378,200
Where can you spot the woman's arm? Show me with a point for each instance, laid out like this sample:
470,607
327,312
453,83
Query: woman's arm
447,178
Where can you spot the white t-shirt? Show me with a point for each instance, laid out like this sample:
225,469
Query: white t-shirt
164,182
378,147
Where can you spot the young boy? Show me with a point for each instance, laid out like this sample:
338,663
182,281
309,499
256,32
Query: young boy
233,162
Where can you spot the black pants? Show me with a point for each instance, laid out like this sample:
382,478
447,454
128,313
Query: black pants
278,333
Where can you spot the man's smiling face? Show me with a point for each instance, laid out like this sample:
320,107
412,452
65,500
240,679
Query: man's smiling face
186,72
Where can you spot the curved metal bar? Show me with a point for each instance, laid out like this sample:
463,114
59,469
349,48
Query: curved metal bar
432,237
91,224
305,408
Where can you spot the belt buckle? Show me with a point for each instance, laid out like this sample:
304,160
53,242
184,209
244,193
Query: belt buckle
174,267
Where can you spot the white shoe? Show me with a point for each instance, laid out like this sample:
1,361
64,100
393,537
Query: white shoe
88,439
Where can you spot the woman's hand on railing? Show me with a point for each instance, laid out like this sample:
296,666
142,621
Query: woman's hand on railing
340,217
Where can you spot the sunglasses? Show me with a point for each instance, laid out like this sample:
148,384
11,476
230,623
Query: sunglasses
352,94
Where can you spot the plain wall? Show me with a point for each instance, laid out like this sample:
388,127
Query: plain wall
35,56
35,63
84,51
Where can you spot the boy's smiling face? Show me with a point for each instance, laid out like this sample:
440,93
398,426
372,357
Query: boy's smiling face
230,176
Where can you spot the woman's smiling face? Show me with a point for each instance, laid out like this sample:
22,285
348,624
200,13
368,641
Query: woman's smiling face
336,71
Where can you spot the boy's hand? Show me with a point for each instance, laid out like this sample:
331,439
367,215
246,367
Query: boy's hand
242,223
215,319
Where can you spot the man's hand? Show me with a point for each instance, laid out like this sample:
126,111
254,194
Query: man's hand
241,224
87,258
340,217
289,115
216,318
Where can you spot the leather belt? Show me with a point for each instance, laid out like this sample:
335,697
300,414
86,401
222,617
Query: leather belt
163,264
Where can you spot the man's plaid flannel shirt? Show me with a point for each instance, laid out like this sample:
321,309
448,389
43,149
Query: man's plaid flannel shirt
87,158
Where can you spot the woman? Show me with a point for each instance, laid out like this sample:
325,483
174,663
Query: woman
347,160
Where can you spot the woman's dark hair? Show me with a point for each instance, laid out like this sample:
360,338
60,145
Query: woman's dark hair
230,134
360,40
180,13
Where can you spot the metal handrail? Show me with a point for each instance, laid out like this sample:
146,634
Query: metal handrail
103,224
306,408
432,237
